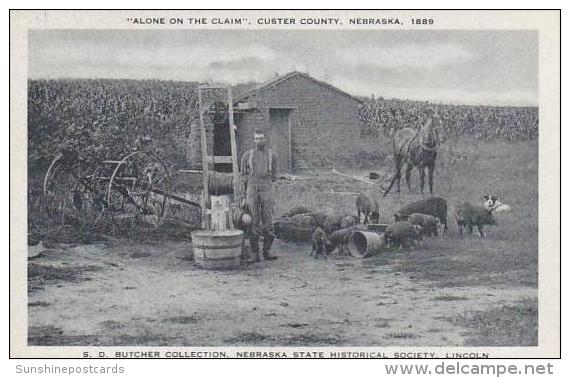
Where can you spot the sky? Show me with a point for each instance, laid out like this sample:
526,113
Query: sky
465,67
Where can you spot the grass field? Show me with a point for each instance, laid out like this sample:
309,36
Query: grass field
509,254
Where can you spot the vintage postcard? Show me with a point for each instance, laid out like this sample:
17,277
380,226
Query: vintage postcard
285,184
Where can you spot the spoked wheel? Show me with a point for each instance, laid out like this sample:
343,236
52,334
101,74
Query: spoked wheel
138,191
70,196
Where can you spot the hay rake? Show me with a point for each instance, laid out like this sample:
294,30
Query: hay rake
135,190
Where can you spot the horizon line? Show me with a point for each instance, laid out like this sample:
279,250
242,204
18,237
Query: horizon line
373,95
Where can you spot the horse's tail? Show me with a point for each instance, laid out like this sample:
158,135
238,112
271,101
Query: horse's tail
390,186
398,160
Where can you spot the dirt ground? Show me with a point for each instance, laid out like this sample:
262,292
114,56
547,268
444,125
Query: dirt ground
124,293
451,292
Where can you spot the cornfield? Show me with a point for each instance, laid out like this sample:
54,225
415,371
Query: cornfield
106,119
482,122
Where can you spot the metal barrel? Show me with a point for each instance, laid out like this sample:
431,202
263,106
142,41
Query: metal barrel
217,249
364,244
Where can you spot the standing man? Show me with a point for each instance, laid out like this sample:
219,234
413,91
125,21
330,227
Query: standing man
259,168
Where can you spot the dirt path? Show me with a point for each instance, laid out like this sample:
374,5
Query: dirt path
141,294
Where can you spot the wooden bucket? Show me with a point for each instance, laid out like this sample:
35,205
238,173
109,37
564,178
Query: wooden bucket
217,249
364,244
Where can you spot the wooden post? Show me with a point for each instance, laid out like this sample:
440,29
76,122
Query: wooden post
205,168
235,167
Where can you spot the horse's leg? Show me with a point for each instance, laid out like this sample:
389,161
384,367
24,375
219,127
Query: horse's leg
409,168
480,228
431,168
422,172
398,175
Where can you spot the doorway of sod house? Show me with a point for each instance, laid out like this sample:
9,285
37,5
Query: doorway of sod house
280,137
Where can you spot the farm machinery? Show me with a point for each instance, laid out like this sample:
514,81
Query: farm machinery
136,189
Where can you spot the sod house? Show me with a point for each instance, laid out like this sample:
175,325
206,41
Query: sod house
309,124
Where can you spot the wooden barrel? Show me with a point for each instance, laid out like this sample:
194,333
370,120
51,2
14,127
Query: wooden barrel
217,249
220,184
364,244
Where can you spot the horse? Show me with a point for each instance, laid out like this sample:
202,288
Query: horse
416,148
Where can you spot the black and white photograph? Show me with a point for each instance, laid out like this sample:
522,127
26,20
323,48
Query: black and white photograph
284,181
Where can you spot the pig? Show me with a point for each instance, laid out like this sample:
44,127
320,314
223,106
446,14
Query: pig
336,222
468,215
435,206
297,210
431,225
319,218
319,243
367,205
403,234
348,221
340,238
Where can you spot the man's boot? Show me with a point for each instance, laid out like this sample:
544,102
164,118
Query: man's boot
245,252
254,256
267,243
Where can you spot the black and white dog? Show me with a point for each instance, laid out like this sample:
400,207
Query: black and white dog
492,203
